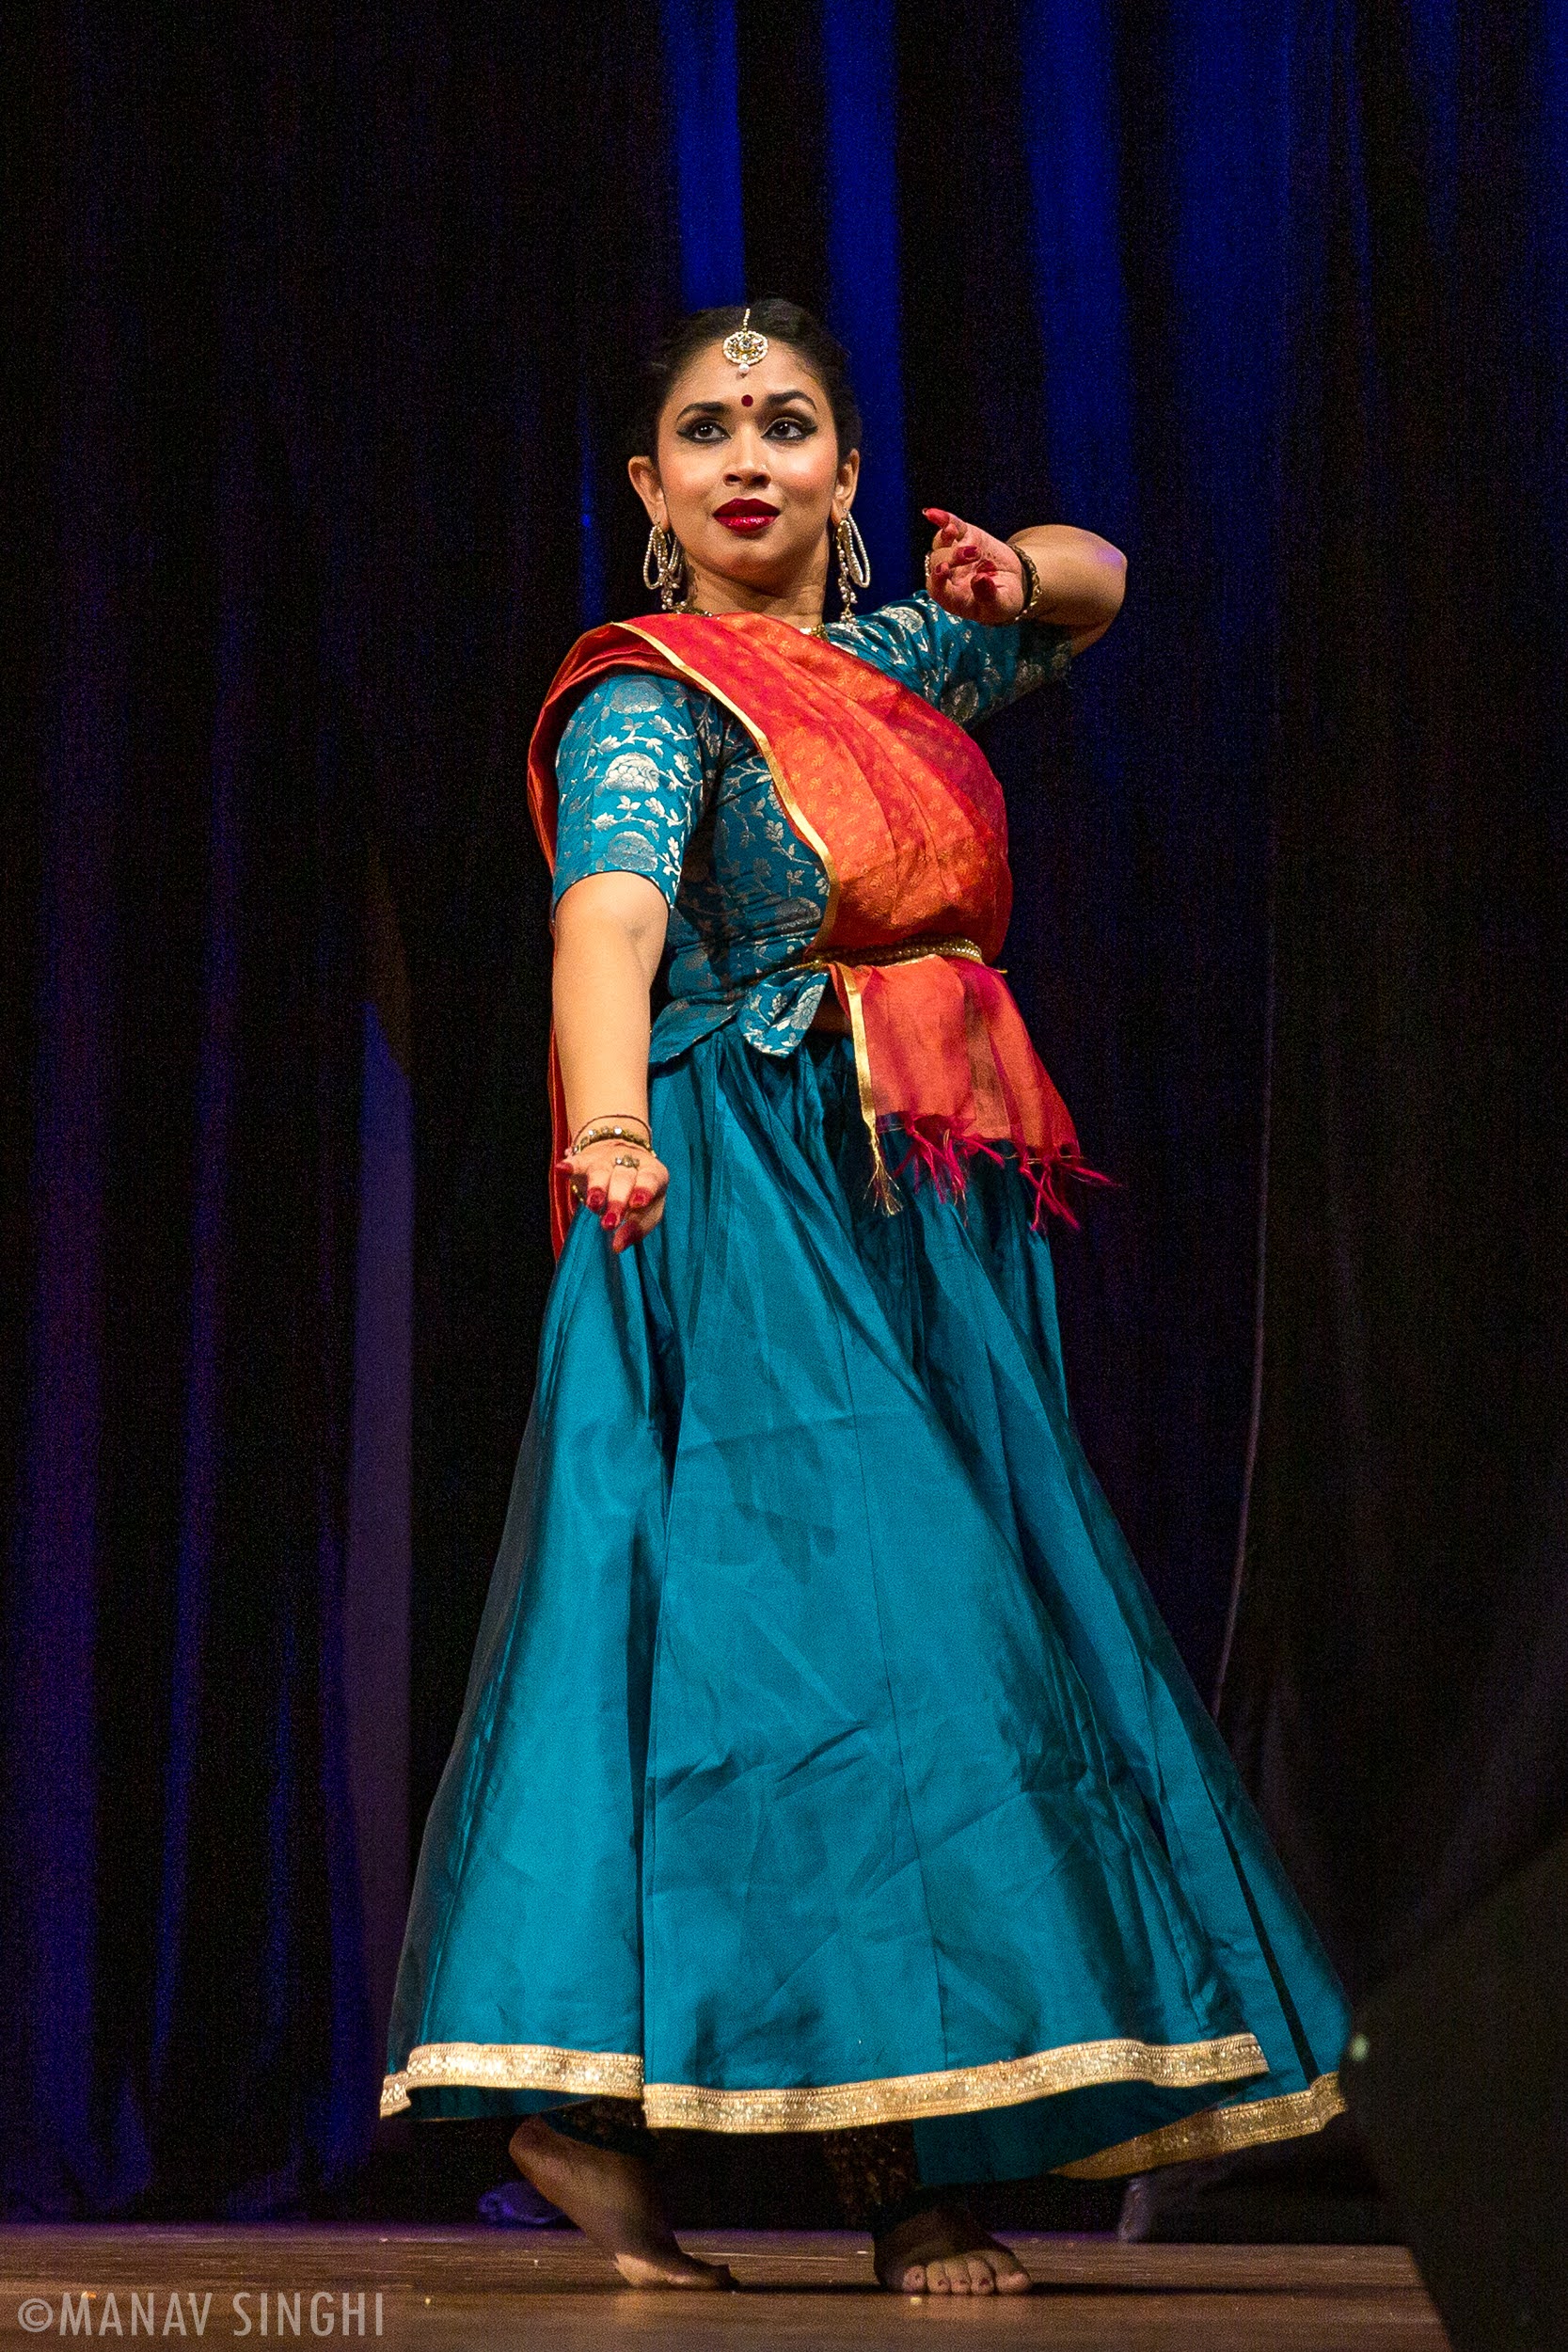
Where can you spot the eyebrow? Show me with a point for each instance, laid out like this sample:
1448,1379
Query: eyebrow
770,400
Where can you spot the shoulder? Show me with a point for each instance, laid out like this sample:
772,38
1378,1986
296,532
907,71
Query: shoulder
640,713
627,697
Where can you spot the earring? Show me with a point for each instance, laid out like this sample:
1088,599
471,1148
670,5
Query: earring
664,568
854,564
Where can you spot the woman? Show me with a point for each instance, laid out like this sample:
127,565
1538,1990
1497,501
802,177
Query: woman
824,1764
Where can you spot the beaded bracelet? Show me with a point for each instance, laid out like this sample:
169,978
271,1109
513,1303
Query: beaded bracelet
612,1131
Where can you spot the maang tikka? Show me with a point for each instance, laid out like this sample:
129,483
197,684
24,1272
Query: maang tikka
745,348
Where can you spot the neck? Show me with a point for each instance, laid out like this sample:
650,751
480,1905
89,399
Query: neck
800,603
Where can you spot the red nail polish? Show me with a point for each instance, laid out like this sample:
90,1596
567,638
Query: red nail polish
595,1200
640,1199
610,1219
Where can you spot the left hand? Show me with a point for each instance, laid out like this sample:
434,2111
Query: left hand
970,574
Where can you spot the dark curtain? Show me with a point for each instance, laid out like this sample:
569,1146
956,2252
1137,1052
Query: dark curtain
1399,1687
321,327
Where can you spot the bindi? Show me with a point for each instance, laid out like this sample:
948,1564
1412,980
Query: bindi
745,400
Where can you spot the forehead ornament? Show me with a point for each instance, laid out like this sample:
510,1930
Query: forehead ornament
745,347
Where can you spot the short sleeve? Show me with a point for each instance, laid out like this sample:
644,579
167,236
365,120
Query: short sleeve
629,774
967,668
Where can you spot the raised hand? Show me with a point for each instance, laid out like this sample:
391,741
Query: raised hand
971,575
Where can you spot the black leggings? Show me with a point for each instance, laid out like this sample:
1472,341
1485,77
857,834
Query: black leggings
873,2165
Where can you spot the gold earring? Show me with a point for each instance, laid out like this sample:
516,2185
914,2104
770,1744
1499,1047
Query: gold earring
664,568
854,564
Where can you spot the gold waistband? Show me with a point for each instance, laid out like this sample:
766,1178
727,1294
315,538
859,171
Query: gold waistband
910,952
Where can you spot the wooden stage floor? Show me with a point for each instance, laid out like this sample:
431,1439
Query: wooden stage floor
463,2290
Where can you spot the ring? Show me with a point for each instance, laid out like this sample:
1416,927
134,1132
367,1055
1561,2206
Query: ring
623,1159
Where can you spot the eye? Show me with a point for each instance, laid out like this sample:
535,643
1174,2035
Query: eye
791,428
700,428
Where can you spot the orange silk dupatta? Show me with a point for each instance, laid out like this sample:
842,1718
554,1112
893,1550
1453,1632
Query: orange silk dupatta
908,819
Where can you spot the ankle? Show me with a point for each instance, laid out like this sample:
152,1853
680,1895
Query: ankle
893,2214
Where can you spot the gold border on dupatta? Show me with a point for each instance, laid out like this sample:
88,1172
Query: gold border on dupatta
881,1183
796,813
1217,2132
830,2106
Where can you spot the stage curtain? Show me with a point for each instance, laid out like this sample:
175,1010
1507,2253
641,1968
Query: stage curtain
322,324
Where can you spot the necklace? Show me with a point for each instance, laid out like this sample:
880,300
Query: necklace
700,612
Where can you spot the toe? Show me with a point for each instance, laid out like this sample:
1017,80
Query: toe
982,2279
913,2280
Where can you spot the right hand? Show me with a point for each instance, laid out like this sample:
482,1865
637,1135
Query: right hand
628,1201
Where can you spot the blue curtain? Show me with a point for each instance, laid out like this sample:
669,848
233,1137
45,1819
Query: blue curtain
326,324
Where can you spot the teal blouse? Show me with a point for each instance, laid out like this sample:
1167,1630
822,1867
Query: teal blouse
656,778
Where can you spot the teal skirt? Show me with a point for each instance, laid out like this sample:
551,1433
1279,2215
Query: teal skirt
824,1760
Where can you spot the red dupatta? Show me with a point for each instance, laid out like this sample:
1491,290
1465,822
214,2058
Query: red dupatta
903,809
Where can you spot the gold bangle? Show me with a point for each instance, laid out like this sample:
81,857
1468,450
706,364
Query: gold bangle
1031,583
612,1131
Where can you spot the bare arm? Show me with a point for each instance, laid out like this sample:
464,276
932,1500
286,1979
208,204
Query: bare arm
1082,577
609,936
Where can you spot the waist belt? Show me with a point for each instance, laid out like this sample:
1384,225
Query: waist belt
909,951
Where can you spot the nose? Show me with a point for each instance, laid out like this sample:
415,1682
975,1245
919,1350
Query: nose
748,464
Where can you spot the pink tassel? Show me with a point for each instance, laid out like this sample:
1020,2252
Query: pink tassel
942,1160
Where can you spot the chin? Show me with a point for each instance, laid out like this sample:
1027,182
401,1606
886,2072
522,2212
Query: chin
779,545
748,567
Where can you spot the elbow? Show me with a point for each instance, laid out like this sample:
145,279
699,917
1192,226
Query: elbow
607,916
1113,568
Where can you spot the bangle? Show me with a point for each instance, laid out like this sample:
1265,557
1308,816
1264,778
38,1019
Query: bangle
612,1131
1031,585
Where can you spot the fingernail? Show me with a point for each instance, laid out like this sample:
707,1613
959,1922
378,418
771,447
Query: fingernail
640,1199
595,1200
610,1219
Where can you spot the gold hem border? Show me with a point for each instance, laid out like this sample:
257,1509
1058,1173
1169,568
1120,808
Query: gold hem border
510,2066
1217,2132
801,2107
955,2090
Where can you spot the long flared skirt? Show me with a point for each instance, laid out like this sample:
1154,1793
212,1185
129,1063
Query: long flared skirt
824,1760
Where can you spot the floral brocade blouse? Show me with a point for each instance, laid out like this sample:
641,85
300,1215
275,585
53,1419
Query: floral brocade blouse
656,778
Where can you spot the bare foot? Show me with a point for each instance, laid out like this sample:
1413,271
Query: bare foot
612,2200
944,2251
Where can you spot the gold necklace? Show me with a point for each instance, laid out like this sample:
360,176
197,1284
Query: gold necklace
700,612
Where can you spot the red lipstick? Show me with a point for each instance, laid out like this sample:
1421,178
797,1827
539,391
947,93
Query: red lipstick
745,516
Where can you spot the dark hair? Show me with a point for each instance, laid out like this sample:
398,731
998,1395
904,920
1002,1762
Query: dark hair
780,322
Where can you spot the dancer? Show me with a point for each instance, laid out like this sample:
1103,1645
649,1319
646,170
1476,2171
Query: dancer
824,1763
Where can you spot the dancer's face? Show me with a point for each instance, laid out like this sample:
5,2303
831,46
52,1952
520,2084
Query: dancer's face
748,474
